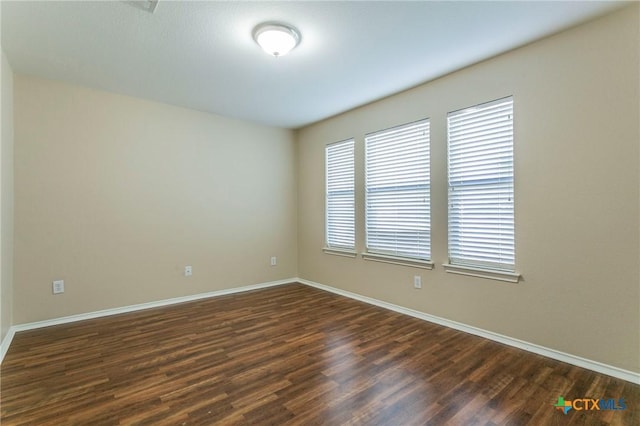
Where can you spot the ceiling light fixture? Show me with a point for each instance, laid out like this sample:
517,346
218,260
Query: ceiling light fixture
276,39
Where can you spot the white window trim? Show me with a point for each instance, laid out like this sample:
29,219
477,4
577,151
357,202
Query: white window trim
340,252
396,260
492,274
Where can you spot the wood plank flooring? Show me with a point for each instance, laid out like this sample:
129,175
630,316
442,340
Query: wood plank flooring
288,355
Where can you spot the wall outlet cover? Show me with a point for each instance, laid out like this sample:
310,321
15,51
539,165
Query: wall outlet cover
58,286
417,281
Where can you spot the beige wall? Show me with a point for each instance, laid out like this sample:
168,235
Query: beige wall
6,199
577,203
115,195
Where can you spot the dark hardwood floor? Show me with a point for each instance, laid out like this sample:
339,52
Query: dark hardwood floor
288,355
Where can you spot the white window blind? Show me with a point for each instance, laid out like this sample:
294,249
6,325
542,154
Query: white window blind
398,217
481,219
340,208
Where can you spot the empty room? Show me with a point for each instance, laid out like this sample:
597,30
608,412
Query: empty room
320,213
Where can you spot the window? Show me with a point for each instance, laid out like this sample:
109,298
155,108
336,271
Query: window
397,168
481,219
340,208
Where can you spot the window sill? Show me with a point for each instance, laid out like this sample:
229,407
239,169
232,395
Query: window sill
404,261
492,274
340,252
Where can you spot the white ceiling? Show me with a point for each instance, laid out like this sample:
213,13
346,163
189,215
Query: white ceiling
201,55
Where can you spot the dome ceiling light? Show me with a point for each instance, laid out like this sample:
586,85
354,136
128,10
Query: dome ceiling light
275,38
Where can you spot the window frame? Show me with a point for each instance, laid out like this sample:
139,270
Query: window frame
348,168
377,181
484,182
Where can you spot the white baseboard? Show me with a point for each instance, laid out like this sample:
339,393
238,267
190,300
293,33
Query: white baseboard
131,308
520,344
6,342
596,366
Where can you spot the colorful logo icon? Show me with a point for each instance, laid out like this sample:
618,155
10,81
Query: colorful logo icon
563,405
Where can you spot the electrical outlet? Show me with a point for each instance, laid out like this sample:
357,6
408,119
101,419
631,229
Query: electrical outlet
188,271
274,261
58,286
417,281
